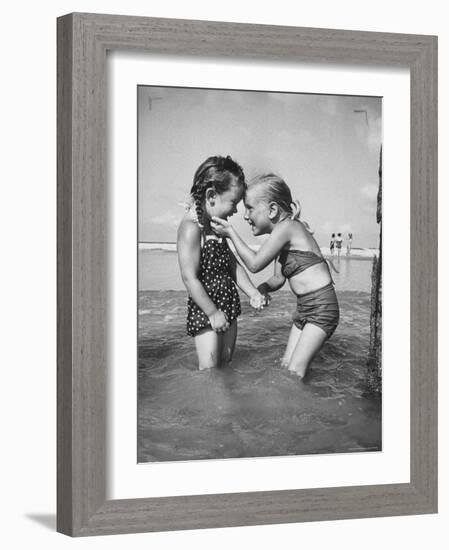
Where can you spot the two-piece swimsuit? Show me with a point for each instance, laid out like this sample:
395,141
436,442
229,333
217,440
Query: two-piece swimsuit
319,307
215,274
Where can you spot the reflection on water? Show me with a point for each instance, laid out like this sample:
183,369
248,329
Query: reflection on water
253,407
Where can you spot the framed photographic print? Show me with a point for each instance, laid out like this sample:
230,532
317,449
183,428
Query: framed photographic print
246,264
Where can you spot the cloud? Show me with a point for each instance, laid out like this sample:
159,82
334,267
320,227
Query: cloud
368,125
168,218
374,138
328,227
330,105
369,209
369,191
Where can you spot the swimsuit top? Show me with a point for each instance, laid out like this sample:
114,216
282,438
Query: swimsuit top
215,261
297,261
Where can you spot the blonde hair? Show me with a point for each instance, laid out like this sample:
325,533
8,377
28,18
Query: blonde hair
274,189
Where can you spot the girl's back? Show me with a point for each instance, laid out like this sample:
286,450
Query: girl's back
300,237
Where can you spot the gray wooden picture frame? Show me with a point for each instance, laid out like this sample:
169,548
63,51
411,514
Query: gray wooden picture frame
83,40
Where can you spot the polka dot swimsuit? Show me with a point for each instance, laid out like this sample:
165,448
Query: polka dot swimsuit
215,275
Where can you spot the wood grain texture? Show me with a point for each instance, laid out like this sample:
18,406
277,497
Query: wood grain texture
423,274
83,40
64,278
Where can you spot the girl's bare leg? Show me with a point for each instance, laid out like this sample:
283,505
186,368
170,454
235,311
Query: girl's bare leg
208,345
312,338
293,338
228,343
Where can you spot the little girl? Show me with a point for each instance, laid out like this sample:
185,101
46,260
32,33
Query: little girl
332,244
270,209
208,267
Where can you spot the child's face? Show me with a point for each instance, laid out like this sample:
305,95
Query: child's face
257,213
225,204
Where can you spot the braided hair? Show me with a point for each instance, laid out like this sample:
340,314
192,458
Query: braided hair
215,173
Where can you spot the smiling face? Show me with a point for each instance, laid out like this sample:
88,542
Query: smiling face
224,205
257,212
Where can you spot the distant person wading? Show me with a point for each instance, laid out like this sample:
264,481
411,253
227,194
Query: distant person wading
338,243
332,244
349,244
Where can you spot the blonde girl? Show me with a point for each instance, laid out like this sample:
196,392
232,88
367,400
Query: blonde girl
297,258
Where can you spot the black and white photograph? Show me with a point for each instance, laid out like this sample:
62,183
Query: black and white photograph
221,246
259,274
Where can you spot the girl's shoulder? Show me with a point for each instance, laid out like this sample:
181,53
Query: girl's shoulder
189,229
300,237
293,228
288,234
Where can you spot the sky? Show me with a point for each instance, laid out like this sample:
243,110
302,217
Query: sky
325,147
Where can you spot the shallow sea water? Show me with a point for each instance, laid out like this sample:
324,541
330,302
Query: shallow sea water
159,270
253,407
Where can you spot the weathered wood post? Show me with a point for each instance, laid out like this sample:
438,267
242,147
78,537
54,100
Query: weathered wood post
375,345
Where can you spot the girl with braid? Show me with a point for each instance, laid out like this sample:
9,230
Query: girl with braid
209,269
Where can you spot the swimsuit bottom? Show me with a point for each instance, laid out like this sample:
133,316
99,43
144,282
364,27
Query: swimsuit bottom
319,307
224,295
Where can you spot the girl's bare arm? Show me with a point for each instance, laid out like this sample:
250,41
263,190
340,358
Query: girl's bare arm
254,261
241,277
275,282
189,251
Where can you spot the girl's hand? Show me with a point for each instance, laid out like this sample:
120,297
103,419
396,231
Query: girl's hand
266,299
219,321
221,227
263,290
258,301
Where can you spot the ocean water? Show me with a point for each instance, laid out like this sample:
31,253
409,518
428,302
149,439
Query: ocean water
252,407
158,270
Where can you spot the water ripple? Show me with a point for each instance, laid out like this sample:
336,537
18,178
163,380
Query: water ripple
252,407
